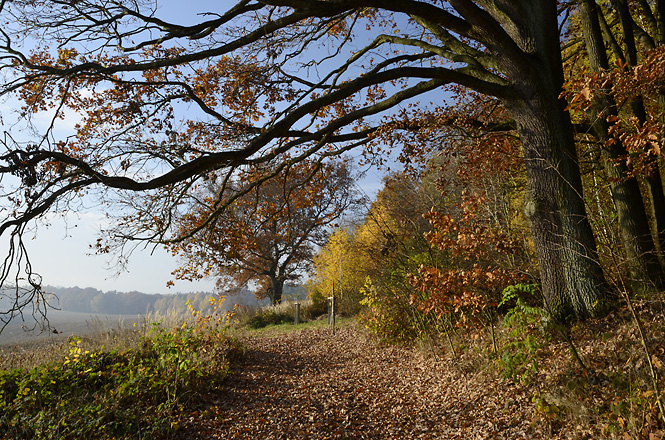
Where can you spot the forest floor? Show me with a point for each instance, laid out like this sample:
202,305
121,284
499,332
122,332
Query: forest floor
315,384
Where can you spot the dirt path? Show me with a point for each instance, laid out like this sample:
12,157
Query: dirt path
315,385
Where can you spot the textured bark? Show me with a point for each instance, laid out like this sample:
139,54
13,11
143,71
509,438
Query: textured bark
657,195
276,290
572,279
573,282
655,24
641,253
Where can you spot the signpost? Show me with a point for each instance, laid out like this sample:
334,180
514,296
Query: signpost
296,311
331,309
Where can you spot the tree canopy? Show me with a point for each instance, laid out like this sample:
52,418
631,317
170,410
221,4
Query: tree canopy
267,236
162,107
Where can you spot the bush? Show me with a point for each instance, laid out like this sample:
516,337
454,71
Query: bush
270,317
318,307
117,394
519,358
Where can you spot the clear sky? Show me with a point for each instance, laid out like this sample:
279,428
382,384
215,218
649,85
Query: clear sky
61,252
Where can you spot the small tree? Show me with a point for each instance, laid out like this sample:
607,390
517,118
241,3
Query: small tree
471,288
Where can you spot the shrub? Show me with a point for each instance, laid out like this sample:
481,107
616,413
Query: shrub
318,307
519,357
268,317
96,394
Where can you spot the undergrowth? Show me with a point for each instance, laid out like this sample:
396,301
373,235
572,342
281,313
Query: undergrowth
525,335
269,317
283,313
590,381
131,393
279,319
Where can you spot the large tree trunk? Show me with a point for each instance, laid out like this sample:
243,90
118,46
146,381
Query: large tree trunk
572,280
276,290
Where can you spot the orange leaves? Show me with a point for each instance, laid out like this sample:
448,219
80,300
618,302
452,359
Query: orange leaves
465,293
581,100
480,250
269,226
235,83
470,238
641,85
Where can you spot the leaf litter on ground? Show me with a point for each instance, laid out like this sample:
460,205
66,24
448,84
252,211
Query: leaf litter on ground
316,384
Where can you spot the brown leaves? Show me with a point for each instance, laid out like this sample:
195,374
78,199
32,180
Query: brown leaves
478,270
312,384
637,121
269,227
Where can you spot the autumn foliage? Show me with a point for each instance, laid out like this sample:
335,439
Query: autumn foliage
269,231
643,83
470,286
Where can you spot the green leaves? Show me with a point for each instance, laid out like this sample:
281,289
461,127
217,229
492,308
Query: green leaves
519,357
97,393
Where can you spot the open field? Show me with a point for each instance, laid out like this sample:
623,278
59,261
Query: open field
66,324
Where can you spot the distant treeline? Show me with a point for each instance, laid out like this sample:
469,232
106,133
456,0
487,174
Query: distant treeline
91,300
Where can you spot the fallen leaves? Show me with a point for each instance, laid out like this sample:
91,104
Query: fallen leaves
313,384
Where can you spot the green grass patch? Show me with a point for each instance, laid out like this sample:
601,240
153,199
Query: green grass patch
117,394
280,329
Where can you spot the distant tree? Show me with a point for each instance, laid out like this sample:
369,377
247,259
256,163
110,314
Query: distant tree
269,83
266,235
340,269
76,299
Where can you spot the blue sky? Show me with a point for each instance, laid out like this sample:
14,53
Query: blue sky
60,252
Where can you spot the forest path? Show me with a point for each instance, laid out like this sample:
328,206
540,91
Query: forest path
311,384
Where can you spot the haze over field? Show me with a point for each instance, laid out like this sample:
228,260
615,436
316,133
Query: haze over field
88,310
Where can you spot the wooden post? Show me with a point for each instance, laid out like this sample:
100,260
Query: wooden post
296,317
331,309
331,312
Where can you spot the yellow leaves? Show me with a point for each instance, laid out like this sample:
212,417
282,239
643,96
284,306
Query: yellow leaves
66,55
75,351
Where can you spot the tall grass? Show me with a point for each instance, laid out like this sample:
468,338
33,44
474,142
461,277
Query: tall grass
128,381
102,333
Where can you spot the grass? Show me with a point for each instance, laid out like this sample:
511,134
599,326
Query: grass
280,329
130,386
279,319
96,334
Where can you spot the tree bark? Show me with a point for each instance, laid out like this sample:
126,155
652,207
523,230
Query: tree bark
572,279
653,179
641,253
573,282
276,290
